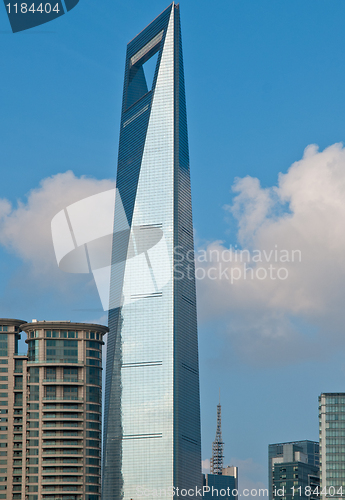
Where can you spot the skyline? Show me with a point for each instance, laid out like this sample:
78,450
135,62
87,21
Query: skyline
263,82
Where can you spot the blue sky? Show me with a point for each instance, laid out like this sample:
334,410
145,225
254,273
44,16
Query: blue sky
264,79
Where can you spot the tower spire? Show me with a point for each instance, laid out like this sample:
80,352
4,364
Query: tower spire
217,445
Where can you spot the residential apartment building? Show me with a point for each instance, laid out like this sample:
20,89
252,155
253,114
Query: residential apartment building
54,407
12,412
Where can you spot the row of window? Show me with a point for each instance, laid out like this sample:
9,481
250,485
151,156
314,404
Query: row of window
3,344
62,334
337,408
335,400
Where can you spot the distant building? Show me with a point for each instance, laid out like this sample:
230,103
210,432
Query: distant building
223,481
293,468
50,411
332,443
12,413
227,481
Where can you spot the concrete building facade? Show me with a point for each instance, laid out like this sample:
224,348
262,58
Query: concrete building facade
54,406
12,411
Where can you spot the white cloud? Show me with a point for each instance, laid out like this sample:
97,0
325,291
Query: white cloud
205,464
303,315
267,320
25,228
36,286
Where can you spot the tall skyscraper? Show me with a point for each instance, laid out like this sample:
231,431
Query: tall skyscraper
293,468
50,411
152,407
332,444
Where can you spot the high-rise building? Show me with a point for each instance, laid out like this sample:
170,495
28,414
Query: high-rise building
51,411
332,443
293,470
12,412
152,404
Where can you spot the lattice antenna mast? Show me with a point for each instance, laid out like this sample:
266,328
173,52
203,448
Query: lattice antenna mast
217,445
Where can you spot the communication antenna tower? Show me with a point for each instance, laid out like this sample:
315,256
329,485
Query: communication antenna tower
217,445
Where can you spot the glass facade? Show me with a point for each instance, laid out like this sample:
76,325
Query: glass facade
292,466
332,443
152,409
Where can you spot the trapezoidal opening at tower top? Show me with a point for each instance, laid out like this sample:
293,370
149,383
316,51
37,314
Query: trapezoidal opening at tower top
141,71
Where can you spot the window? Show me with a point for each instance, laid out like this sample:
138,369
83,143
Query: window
91,443
32,415
50,392
3,344
93,354
34,393
95,489
32,451
93,461
93,345
93,362
32,470
18,382
92,416
18,399
33,425
34,375
62,351
18,366
93,425
33,350
70,374
93,394
93,434
70,392
93,408
93,452
32,442
51,373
